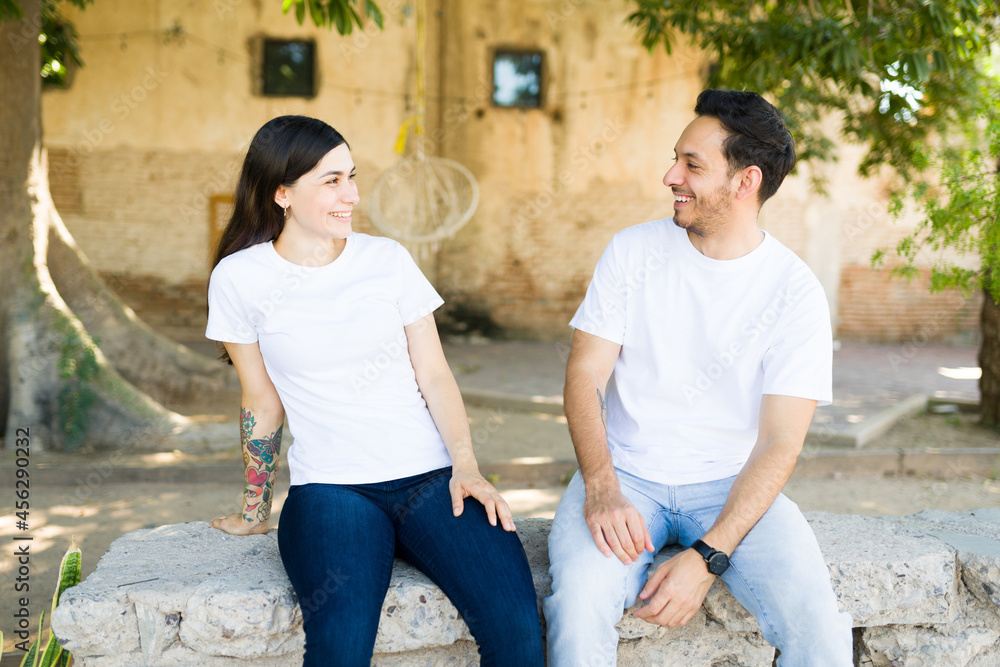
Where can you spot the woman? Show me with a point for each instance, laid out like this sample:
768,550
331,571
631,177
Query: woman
336,329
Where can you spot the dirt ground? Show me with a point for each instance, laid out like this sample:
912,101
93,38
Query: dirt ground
110,507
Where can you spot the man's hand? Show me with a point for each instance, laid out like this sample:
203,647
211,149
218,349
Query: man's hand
617,526
465,483
674,592
235,524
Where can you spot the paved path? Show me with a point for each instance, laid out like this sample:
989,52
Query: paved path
870,380
874,383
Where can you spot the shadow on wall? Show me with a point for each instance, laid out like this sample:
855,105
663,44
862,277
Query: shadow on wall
461,317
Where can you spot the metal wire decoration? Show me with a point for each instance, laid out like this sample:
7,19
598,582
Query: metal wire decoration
423,199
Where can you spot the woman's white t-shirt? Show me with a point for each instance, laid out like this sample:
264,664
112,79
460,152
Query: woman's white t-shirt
334,347
702,340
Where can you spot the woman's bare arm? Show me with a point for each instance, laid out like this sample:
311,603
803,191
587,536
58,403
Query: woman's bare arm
261,418
444,400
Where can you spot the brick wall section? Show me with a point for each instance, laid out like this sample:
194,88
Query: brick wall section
876,307
177,310
64,182
141,213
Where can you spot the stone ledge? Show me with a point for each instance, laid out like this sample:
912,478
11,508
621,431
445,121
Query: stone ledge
923,589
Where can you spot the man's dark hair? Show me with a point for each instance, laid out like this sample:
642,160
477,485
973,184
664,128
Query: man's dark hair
757,135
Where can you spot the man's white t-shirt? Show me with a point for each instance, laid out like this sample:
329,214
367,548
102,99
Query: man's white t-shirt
334,347
702,340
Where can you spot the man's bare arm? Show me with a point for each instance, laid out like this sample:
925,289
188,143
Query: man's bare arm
784,423
617,527
678,587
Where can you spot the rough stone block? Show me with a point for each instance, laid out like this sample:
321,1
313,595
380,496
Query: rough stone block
971,639
975,536
188,594
157,631
417,614
885,574
460,654
917,646
701,642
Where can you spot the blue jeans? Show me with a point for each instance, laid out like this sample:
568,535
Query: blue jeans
337,543
777,572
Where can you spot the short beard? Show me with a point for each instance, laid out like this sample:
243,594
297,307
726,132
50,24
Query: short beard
713,217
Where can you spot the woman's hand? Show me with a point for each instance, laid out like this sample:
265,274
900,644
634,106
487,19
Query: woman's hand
466,483
235,524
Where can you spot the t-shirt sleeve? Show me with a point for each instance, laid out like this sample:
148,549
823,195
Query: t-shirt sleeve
417,297
602,312
799,361
228,319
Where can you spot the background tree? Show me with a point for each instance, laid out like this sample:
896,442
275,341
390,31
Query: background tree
961,211
900,76
76,365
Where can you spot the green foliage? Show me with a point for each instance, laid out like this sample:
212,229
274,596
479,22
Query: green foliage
53,655
961,208
57,38
339,14
58,41
894,73
10,10
77,366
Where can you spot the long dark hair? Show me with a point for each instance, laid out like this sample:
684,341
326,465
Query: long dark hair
282,151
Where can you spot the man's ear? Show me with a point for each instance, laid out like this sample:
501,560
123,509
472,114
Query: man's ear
749,182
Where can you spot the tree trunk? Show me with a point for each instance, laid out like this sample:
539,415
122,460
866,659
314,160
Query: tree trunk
989,362
56,384
162,368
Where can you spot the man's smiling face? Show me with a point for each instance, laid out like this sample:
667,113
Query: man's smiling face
700,178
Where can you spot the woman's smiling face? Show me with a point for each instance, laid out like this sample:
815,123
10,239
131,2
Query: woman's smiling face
321,202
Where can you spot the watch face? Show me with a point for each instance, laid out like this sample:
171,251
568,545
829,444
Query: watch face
718,563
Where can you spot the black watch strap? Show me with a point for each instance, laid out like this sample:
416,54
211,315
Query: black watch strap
717,561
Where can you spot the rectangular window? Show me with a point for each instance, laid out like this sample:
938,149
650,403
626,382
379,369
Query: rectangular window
289,68
517,78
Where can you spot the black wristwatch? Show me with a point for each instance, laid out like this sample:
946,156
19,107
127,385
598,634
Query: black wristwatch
717,561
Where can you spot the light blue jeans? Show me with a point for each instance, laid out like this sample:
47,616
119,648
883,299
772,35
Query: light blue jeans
777,573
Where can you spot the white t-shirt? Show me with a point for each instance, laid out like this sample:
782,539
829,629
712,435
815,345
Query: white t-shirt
333,345
702,340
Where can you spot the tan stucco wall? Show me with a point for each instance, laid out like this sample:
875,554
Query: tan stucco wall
156,122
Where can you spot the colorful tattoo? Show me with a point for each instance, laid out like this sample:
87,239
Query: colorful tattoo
247,422
260,456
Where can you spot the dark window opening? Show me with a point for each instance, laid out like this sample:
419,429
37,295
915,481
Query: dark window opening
289,68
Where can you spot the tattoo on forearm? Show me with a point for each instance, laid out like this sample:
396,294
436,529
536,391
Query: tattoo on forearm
604,411
260,457
247,422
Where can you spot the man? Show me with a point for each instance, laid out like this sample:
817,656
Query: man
720,342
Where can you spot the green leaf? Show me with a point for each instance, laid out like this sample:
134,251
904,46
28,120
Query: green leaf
53,652
340,20
286,5
10,10
374,13
70,571
316,12
31,657
300,11
353,19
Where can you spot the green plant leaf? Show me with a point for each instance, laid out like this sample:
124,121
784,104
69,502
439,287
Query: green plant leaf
31,657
